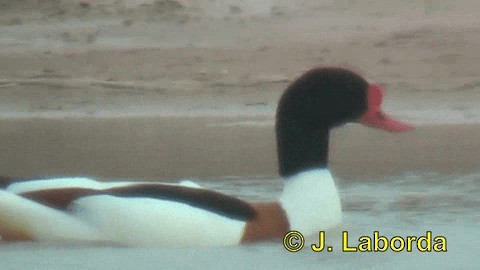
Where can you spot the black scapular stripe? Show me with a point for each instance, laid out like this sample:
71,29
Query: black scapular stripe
209,200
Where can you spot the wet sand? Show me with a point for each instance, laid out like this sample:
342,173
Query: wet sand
175,148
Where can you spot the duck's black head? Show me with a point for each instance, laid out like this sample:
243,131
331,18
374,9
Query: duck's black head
323,97
319,100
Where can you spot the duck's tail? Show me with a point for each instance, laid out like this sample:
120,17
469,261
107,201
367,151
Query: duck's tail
22,219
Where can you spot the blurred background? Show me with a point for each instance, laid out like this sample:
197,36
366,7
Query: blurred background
162,90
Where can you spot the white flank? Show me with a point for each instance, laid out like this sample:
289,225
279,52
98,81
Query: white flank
311,201
150,222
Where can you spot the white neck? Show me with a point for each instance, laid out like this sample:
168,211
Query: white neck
311,201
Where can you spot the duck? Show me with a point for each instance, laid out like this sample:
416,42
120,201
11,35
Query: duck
132,213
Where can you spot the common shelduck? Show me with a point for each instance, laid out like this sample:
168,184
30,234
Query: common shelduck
155,214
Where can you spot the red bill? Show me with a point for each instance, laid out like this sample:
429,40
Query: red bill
376,117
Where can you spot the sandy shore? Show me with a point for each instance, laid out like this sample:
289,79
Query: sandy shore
172,89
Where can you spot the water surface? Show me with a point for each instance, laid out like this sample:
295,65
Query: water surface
403,205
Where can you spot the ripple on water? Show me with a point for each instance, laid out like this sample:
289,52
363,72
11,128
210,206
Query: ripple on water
414,196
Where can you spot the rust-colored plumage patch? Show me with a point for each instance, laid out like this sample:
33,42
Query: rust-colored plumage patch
8,234
59,198
270,222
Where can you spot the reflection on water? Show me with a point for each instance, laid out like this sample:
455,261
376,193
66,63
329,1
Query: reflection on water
402,205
